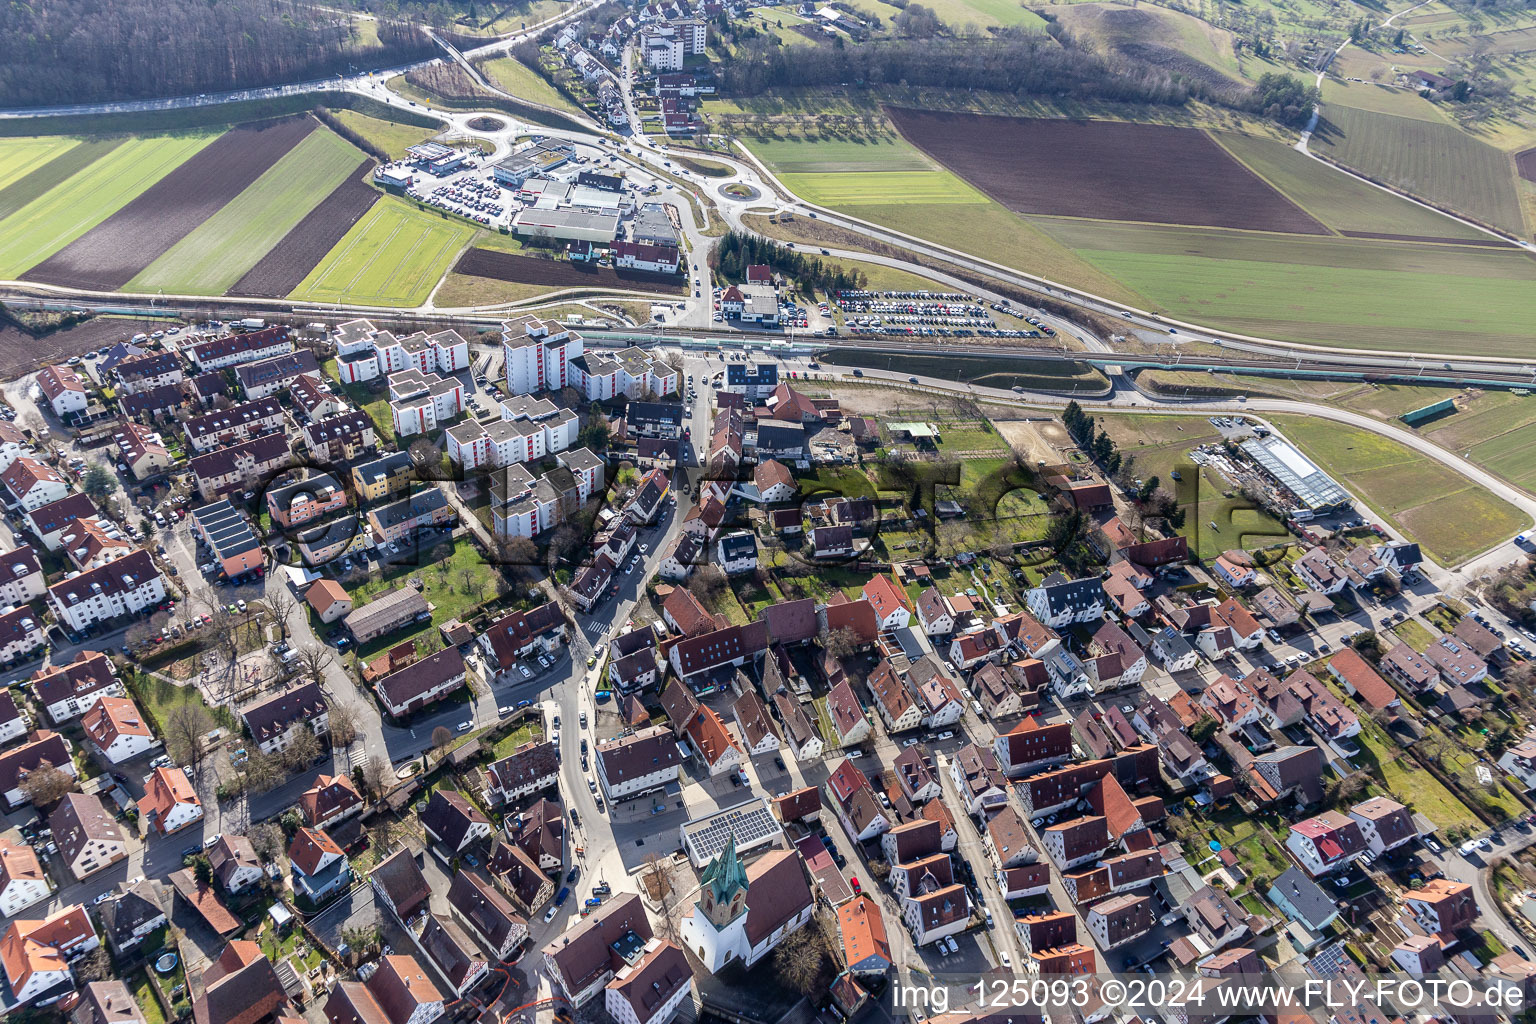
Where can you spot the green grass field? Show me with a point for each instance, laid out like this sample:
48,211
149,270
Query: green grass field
1359,293
513,76
883,189
392,137
1383,99
1338,200
822,156
392,257
21,156
984,14
1436,162
219,251
1162,443
1451,518
70,209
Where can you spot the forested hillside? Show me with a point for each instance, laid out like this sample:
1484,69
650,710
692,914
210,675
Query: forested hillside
80,51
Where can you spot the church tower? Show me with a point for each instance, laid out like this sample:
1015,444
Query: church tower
723,887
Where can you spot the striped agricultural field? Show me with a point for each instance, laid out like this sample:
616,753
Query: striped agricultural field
45,176
90,196
20,157
219,252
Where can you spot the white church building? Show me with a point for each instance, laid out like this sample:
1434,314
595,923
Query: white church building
743,914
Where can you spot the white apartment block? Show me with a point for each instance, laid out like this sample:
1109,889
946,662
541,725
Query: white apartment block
123,587
420,401
364,352
529,429
537,354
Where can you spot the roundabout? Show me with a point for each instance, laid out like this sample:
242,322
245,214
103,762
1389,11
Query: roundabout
740,192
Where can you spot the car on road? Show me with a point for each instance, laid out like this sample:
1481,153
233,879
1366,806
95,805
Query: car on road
524,670
954,947
504,711
778,762
911,380
549,915
209,843
1468,847
466,726
108,894
1434,847
523,704
853,880
564,892
583,719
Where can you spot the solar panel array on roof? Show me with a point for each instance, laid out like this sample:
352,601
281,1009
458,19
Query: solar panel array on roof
752,823
226,531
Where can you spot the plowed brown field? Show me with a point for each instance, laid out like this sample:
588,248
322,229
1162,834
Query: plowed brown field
112,253
1525,163
21,353
291,260
506,266
1105,170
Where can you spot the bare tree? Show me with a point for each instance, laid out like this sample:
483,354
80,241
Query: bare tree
840,642
45,784
261,771
797,961
185,728
282,603
442,736
138,634
303,750
268,840
341,719
314,660
374,777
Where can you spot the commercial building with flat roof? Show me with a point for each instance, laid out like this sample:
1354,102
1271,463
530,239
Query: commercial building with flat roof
570,224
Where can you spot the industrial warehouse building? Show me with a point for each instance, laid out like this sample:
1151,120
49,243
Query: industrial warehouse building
568,224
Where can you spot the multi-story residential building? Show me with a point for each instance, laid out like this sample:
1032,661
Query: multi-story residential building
92,543
234,863
1326,843
1385,823
87,834
383,477
31,484
37,954
273,722
65,391
48,522
1030,747
931,916
419,402
22,879
169,803
319,865
117,729
142,449
14,722
449,818
364,352
978,778
313,397
76,687
632,372
269,376
1059,601
537,354
148,370
1076,841
1442,907
234,349
614,952
403,992
331,799
529,429
125,586
19,762
415,686
638,763
13,445
1120,919
532,767
239,467
301,501
341,438
237,423
401,519
22,580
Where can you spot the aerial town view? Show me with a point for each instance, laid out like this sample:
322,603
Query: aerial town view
769,512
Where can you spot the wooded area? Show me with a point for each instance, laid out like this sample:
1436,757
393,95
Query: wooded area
1016,62
75,51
